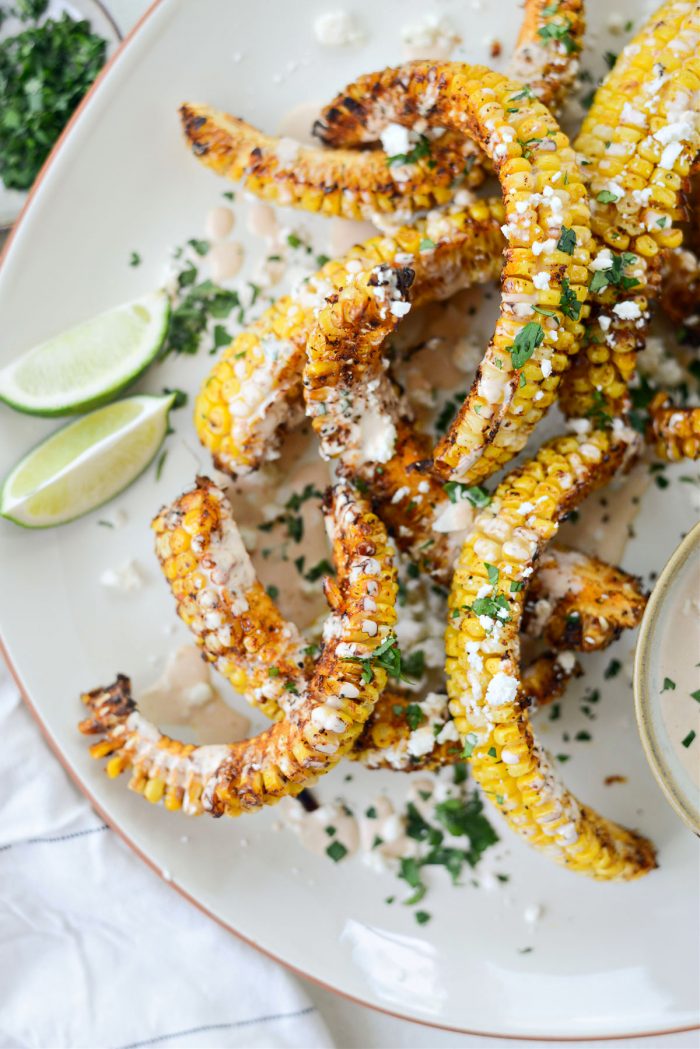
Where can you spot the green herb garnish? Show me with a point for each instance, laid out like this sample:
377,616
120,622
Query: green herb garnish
45,71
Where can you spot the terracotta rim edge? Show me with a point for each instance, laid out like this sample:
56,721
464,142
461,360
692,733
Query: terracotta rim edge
83,788
642,698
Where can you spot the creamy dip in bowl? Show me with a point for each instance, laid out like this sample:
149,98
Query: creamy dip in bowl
667,680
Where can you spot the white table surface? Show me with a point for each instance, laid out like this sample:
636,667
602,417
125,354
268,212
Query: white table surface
355,1027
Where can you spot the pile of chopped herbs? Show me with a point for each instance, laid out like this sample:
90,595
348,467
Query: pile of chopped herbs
45,70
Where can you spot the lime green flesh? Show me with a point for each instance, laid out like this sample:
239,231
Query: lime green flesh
88,364
86,463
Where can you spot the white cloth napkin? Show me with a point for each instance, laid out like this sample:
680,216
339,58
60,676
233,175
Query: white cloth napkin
95,950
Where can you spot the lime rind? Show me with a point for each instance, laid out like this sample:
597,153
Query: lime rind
96,474
91,363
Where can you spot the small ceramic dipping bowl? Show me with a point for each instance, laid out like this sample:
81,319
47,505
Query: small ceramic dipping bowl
667,680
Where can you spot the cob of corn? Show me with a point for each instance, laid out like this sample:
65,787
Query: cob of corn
320,726
235,622
483,660
637,145
595,602
547,228
254,390
546,55
674,432
336,183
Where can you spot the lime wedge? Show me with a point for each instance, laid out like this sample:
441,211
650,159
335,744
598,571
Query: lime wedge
88,365
86,463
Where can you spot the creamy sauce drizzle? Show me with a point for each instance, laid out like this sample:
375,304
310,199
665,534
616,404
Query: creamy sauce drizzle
605,522
184,696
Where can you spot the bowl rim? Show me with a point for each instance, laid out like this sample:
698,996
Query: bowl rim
643,695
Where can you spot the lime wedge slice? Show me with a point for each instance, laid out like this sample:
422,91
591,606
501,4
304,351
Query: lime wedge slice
88,365
86,463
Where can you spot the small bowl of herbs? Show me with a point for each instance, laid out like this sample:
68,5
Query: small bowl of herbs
51,51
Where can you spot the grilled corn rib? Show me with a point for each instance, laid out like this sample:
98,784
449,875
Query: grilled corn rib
547,227
674,431
581,603
483,661
254,392
389,742
547,49
680,291
637,144
325,719
339,182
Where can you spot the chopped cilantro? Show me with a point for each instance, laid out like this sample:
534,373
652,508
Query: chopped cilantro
336,850
134,259
495,607
688,739
45,70
161,463
181,397
323,567
419,151
526,341
695,695
322,260
371,813
583,736
294,241
492,573
515,587
669,684
474,494
387,656
330,831
422,917
606,196
610,58
426,244
201,247
560,32
567,241
613,669
273,591
273,671
568,303
469,744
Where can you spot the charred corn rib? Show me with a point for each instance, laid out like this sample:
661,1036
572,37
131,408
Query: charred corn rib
483,659
581,603
321,725
673,431
254,391
545,273
235,622
388,740
636,144
339,182
350,398
546,55
680,291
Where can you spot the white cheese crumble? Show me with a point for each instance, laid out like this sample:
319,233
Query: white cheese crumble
395,139
501,690
126,579
628,311
337,29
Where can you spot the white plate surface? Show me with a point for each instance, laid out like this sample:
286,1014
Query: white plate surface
606,959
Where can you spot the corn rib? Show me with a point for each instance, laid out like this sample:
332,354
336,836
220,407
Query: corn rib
637,145
336,183
483,661
323,722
